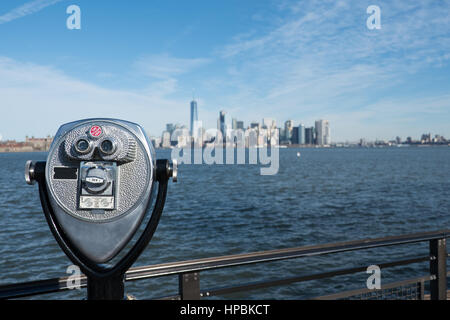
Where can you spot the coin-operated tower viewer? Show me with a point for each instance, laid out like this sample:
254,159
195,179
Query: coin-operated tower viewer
96,188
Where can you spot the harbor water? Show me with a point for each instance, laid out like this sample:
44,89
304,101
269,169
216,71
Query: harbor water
325,195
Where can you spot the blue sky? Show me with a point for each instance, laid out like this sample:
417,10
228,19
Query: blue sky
302,60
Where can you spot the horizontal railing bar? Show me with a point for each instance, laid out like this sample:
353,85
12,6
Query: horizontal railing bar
316,276
25,289
355,292
280,254
175,297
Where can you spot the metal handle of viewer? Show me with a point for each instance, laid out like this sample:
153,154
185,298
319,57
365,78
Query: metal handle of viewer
164,170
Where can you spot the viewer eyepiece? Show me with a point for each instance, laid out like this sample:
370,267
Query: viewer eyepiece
107,146
83,146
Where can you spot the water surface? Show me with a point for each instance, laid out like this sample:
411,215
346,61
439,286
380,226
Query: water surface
326,195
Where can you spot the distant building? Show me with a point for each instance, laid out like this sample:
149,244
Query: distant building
165,139
180,137
310,136
194,116
288,128
156,141
426,138
234,124
13,146
298,135
39,144
221,124
274,136
323,132
170,127
251,138
268,123
294,138
29,145
301,134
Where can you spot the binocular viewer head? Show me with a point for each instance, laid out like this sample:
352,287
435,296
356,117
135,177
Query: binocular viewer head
99,182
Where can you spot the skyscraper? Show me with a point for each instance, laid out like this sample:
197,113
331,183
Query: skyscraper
294,138
268,123
254,125
309,135
323,132
301,134
170,127
194,116
288,127
298,135
221,124
234,124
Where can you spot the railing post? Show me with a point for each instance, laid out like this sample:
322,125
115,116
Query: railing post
421,289
108,288
438,269
189,286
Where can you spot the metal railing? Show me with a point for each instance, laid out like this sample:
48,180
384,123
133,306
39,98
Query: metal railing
189,271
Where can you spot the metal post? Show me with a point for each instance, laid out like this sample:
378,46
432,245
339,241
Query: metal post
189,286
438,269
421,290
108,288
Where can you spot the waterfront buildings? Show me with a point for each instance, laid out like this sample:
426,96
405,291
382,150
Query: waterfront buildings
39,144
322,132
257,133
29,145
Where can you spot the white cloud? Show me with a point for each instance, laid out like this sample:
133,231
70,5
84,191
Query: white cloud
37,99
26,9
164,66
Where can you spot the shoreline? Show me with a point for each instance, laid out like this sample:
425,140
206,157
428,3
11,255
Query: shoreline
291,147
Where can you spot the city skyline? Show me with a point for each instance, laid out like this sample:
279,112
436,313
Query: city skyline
289,59
295,134
177,135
